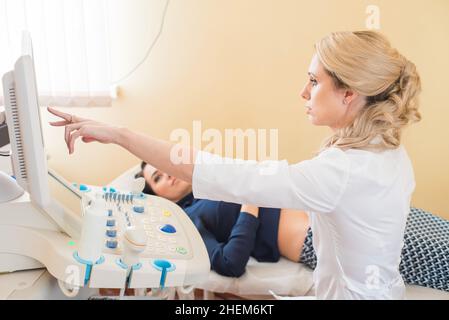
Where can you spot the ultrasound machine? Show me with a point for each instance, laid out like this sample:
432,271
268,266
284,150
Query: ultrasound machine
86,237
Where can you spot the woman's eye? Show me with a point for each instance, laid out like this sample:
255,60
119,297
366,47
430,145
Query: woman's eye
313,82
156,179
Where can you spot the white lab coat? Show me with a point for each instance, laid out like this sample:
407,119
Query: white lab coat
358,202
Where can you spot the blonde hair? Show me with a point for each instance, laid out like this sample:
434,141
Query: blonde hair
364,61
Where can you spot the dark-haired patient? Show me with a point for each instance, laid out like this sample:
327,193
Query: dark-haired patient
233,233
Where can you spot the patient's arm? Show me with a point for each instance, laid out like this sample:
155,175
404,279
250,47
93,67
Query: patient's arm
230,258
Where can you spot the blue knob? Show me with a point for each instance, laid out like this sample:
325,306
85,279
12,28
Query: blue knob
112,190
110,223
111,244
111,233
110,213
138,209
162,264
83,187
168,228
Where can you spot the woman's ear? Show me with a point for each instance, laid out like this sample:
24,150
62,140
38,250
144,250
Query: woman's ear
349,96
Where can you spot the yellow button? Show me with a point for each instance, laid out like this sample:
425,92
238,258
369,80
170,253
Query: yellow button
167,213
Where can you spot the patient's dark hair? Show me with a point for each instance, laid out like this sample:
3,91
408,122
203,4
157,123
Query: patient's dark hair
147,189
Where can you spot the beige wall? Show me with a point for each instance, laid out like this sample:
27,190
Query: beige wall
242,63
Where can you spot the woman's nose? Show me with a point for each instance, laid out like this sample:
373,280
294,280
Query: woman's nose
305,93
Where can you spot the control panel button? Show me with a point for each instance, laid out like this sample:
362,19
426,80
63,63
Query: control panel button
110,223
167,213
140,196
110,213
139,209
111,233
111,244
181,250
168,228
81,187
113,190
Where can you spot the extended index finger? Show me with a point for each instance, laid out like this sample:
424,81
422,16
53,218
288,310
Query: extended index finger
60,114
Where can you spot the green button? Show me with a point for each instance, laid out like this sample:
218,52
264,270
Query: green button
181,250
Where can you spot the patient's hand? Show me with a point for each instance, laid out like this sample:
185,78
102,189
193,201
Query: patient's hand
253,210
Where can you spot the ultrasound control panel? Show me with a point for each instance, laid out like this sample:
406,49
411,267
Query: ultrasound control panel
162,220
148,236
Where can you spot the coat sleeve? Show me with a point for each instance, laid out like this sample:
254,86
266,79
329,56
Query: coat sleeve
314,185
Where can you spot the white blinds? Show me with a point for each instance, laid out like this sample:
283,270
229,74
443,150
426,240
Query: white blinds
70,44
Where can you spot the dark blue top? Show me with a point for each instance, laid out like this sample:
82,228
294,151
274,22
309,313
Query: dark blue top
231,236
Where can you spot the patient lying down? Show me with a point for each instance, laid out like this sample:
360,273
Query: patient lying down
233,233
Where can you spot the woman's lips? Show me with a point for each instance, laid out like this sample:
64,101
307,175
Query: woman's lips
308,109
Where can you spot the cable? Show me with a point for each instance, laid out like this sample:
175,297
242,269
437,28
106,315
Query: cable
147,54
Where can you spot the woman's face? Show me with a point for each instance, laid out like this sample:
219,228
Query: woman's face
324,102
166,186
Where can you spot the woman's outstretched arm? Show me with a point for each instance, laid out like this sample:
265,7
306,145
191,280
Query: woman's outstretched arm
161,154
158,153
314,185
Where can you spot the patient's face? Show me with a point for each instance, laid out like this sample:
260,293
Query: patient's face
166,186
